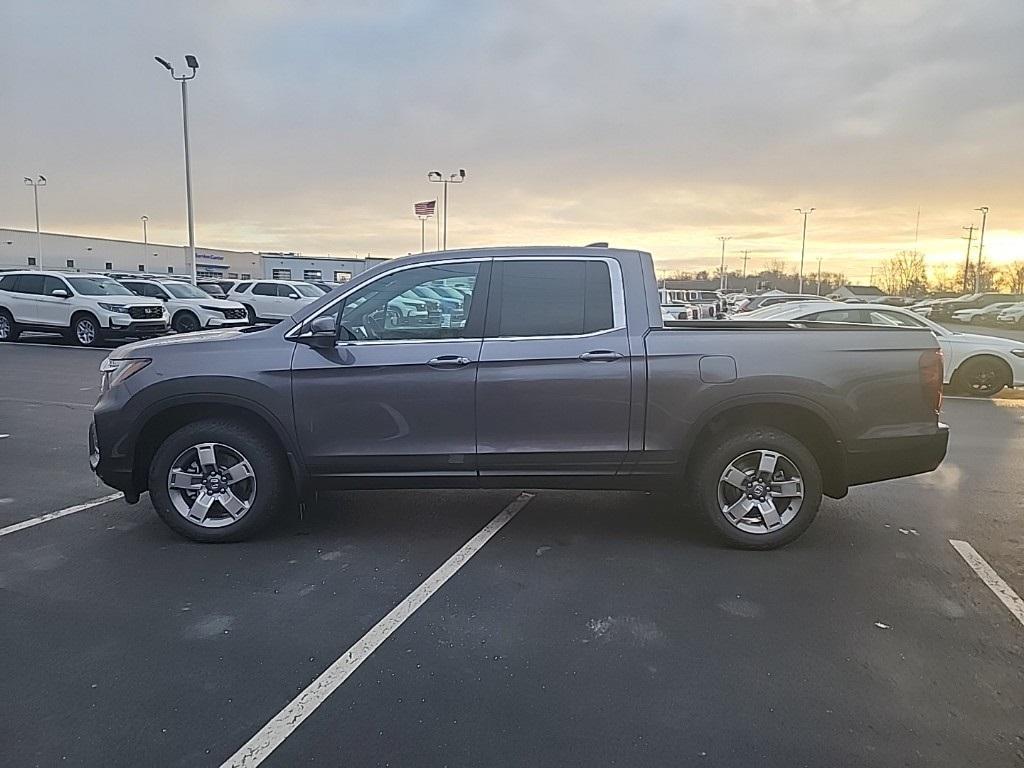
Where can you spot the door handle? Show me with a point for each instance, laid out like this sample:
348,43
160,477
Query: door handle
449,361
599,356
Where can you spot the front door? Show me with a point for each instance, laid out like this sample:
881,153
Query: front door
553,392
54,310
394,397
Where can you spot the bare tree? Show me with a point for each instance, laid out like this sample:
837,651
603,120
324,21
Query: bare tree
904,274
944,278
1013,277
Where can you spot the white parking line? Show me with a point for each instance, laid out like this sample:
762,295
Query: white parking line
992,580
33,521
284,723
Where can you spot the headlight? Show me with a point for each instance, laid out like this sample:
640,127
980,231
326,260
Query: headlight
1017,352
117,370
119,308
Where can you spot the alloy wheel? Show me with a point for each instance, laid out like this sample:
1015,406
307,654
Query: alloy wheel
984,381
85,331
211,485
760,491
5,328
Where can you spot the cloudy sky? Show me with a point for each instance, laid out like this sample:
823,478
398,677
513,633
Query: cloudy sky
659,125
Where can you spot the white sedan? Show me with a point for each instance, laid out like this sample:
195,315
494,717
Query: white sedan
974,364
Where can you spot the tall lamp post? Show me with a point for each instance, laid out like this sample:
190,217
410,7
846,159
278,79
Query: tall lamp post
805,212
721,269
193,65
145,235
36,184
438,178
981,247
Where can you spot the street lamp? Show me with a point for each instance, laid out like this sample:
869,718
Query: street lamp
193,65
145,234
721,269
438,178
805,212
39,182
981,247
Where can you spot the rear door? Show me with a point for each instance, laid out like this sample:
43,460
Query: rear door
265,300
28,289
553,390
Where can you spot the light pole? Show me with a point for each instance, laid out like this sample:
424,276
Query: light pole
39,182
721,269
818,292
193,65
438,178
967,259
746,255
805,212
981,247
145,234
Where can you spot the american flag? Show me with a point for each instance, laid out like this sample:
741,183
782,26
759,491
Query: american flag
425,209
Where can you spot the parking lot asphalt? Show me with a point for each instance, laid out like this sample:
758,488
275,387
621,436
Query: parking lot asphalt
593,629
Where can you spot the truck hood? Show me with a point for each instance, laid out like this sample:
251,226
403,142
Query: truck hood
146,347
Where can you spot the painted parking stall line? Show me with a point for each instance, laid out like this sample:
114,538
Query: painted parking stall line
992,580
31,522
284,723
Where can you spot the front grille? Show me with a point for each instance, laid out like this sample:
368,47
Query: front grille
145,313
234,314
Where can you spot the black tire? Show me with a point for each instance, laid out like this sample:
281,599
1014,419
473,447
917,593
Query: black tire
9,330
185,322
271,485
732,446
250,313
79,334
981,377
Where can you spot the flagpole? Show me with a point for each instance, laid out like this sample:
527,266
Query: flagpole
423,229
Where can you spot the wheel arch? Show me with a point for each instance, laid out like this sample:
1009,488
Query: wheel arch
157,424
978,356
809,424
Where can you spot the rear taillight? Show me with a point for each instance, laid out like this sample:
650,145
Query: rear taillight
930,367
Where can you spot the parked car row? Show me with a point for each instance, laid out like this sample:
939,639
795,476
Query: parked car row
90,308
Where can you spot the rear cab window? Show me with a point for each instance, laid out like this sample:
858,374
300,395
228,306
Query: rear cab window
550,297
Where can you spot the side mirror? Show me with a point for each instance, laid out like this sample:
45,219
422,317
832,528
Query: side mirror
60,293
323,333
293,295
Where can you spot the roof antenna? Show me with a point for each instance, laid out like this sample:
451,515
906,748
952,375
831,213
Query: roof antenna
596,245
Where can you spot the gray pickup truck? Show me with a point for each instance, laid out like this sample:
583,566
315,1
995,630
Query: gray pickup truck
541,368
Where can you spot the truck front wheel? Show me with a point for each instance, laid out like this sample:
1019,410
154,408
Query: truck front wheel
759,487
216,480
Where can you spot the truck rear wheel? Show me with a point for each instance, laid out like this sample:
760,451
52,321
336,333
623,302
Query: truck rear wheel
216,480
759,487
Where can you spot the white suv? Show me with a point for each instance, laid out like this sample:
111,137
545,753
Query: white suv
273,299
85,308
190,308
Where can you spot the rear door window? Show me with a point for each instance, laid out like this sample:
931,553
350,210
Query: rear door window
550,298
32,284
265,289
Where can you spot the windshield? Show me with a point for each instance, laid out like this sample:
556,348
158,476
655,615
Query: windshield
185,291
98,286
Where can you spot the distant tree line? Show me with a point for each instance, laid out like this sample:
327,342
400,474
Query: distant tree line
905,274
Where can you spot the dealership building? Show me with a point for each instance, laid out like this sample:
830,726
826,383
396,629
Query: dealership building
23,249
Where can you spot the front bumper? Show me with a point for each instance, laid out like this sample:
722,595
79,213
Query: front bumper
123,325
221,322
892,457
